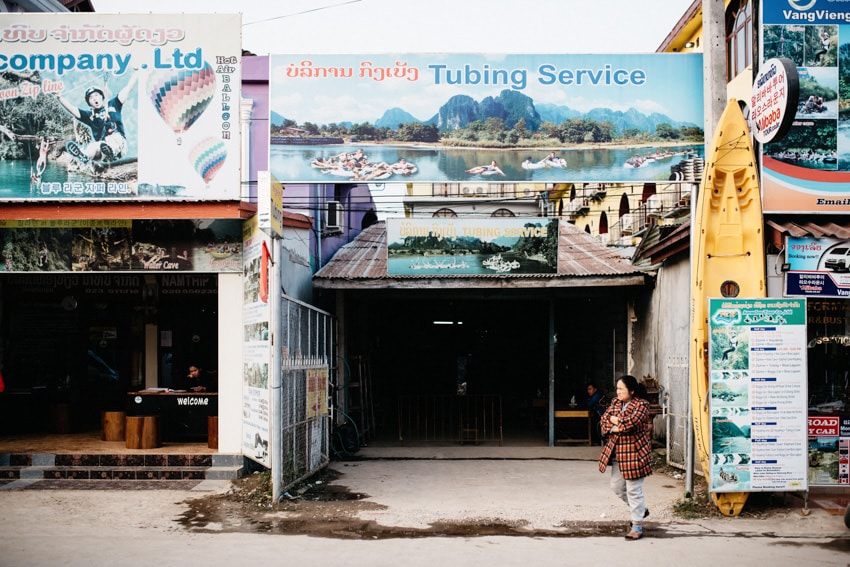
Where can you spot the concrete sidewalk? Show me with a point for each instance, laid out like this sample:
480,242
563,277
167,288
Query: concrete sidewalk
556,488
471,506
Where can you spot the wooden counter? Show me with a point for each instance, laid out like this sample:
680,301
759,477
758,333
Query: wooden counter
183,414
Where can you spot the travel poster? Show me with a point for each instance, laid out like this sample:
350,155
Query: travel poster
757,394
493,118
808,169
120,106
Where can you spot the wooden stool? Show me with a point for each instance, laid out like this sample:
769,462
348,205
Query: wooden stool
468,434
114,425
143,432
212,431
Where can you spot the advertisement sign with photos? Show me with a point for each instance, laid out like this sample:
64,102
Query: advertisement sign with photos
817,267
120,106
121,245
256,319
757,400
807,170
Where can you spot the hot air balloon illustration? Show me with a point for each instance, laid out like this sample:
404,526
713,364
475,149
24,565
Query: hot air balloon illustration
207,157
180,98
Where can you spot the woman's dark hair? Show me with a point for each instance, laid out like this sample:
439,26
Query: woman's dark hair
637,389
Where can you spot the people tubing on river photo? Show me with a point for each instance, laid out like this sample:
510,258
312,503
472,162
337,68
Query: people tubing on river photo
491,169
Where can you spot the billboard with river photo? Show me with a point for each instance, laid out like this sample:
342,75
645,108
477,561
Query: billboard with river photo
490,117
453,247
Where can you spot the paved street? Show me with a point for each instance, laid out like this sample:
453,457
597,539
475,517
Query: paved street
412,509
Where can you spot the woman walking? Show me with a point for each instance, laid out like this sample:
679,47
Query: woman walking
628,450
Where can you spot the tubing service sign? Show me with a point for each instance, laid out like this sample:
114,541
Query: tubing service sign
129,106
488,118
758,387
454,247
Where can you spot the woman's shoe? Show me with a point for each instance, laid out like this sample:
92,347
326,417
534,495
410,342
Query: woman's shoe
645,514
634,536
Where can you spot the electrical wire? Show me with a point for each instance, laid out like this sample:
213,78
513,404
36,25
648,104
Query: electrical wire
319,9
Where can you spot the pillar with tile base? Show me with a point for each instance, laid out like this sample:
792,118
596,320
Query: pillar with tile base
143,432
212,432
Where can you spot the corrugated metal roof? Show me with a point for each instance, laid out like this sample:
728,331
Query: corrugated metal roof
580,256
365,257
820,228
661,242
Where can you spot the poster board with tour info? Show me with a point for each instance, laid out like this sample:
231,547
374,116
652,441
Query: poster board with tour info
758,391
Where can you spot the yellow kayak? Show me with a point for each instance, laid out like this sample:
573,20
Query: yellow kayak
727,260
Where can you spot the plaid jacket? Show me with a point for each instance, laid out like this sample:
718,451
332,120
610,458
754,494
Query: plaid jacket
631,446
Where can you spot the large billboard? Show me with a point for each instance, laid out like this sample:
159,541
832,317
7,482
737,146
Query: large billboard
808,170
129,106
497,118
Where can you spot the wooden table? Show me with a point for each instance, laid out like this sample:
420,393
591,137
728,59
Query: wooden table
576,414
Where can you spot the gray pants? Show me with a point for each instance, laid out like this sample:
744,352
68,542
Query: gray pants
630,492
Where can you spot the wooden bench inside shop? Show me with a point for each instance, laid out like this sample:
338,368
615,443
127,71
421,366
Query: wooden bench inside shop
575,414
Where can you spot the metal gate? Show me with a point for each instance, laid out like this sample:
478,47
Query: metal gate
677,410
305,348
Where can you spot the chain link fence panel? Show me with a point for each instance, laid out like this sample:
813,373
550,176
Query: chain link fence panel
306,348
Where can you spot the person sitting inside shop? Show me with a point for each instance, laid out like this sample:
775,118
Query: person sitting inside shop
596,406
198,380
